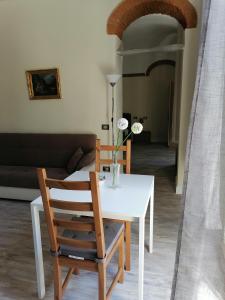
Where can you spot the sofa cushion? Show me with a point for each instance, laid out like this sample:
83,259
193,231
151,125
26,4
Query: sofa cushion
74,160
26,177
86,160
53,158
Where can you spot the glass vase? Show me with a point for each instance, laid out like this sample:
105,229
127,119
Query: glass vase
115,174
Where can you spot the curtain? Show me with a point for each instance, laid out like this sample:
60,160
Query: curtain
200,263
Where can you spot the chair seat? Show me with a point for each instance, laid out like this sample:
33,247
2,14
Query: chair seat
112,231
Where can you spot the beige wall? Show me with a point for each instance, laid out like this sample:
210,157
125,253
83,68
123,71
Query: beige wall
70,35
149,96
188,84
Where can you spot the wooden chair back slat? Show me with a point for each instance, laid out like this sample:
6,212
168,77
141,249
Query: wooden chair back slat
74,225
68,205
68,185
109,148
76,243
110,161
94,224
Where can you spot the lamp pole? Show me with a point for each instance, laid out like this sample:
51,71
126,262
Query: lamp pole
113,108
113,79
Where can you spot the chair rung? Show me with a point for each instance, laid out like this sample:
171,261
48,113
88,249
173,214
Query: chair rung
81,264
115,280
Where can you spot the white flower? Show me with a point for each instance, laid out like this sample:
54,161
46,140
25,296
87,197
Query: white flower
137,128
122,123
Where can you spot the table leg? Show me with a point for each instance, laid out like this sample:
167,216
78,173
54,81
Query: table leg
141,258
38,251
151,221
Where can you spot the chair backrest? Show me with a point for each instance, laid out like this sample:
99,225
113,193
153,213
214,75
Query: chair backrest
89,224
107,148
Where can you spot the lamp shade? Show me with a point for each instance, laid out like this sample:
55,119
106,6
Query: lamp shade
113,78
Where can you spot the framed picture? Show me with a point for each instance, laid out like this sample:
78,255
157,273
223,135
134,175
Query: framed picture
43,84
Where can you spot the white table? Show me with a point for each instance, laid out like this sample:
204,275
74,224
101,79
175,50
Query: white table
127,202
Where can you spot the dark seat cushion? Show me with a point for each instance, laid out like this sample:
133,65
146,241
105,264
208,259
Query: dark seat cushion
112,231
26,177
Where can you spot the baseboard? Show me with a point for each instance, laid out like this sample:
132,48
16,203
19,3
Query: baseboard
179,189
14,193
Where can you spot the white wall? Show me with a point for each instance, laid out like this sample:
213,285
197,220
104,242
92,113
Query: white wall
149,96
70,35
135,64
187,91
177,91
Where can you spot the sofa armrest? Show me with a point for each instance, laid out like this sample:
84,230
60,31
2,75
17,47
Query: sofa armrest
89,168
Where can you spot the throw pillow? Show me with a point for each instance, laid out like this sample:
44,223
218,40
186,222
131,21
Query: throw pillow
74,160
87,159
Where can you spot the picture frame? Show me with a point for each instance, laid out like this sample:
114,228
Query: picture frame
43,84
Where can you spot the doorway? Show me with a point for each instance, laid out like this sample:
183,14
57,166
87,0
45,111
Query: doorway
151,91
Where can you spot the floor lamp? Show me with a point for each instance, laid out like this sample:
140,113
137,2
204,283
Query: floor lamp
113,79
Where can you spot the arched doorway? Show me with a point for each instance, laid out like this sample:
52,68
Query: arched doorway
129,11
149,97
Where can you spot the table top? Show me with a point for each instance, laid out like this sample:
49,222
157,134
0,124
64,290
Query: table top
129,200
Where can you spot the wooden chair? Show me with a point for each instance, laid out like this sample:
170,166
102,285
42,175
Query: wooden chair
127,164
86,243
107,148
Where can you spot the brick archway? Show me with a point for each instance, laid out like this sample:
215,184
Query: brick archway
130,10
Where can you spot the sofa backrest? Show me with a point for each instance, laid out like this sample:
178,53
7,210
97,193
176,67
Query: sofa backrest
42,150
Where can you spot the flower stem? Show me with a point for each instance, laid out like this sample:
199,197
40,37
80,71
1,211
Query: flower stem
117,148
117,142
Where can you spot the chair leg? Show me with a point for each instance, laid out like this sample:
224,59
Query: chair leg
121,260
70,272
128,245
57,280
76,271
102,281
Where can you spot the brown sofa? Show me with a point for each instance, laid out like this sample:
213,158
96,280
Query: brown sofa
60,154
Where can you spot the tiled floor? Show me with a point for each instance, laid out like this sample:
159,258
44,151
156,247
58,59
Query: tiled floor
17,271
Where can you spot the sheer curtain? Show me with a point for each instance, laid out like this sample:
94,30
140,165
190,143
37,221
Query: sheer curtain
200,263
